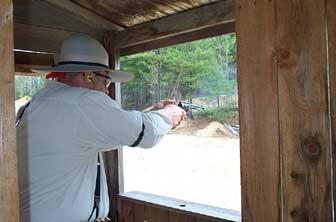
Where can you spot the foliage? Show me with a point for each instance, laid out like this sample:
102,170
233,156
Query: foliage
221,114
200,68
139,92
28,85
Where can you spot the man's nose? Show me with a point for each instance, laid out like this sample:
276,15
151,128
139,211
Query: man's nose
106,90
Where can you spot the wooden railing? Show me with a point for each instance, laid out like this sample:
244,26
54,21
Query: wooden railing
139,206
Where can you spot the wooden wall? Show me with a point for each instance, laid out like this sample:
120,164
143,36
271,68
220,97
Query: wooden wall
9,198
285,64
145,207
139,212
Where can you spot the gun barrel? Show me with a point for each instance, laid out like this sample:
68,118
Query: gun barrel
186,106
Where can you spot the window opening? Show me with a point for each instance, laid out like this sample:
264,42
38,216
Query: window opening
25,89
200,160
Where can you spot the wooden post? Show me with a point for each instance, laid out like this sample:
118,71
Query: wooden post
303,103
113,159
258,111
9,198
284,109
331,26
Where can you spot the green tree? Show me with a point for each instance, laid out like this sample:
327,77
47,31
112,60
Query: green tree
28,85
200,68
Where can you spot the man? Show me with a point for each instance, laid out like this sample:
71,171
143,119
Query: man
65,126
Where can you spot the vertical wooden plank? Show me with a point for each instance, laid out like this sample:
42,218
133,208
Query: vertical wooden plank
139,212
258,110
9,198
126,211
153,214
113,159
177,217
303,113
331,28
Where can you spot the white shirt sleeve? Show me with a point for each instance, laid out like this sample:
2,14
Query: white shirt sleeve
103,124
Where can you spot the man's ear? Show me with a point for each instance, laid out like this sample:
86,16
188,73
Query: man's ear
88,77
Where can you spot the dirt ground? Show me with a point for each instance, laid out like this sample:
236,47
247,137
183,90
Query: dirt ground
202,127
198,162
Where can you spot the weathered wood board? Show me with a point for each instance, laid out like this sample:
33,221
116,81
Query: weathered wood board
283,65
258,111
9,197
208,32
303,110
129,12
139,207
192,20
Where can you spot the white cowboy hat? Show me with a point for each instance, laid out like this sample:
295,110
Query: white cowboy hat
81,53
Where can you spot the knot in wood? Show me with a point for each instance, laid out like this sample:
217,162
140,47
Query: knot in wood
284,54
299,215
294,175
312,148
285,58
294,213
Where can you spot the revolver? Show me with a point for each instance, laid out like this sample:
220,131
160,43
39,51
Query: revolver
188,106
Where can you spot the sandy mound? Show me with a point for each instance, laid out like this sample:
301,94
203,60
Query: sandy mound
214,129
203,128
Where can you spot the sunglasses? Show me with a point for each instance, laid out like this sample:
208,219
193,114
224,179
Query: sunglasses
108,81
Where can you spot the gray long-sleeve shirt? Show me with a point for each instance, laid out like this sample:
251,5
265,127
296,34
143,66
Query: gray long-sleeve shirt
58,139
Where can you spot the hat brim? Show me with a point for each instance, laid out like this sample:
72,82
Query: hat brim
115,75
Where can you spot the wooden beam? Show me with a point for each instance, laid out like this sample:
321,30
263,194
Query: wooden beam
9,194
25,62
113,159
258,111
86,16
27,70
29,58
210,15
207,32
303,111
41,39
331,26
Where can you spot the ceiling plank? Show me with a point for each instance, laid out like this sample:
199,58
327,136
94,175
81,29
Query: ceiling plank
208,32
86,16
129,13
192,20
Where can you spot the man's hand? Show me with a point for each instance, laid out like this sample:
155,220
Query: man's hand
160,105
176,114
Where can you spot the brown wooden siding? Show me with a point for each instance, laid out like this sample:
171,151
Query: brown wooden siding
129,12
